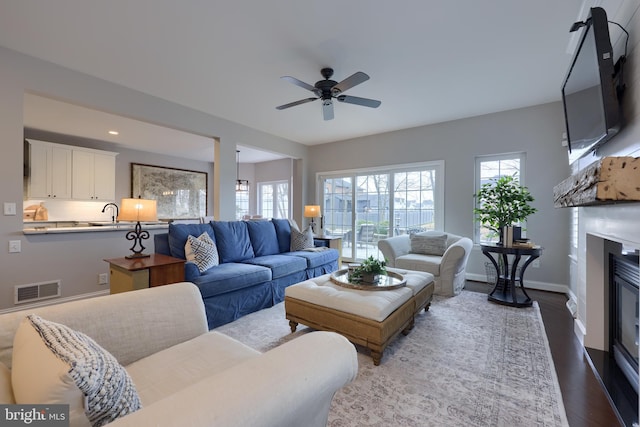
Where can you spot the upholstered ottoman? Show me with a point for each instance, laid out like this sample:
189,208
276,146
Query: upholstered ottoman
368,318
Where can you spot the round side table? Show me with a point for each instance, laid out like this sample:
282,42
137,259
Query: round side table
509,288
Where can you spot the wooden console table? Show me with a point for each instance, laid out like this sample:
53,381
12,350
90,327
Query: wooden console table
506,290
139,273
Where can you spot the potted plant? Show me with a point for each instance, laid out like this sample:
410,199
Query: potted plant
503,202
369,270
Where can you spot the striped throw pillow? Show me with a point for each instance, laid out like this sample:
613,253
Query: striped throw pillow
70,367
433,244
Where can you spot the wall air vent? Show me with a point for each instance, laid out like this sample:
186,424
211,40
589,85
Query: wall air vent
36,291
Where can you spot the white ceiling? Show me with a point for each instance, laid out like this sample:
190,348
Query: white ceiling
429,61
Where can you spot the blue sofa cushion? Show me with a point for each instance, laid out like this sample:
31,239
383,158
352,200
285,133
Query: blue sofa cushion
263,238
280,265
283,231
178,234
230,277
232,239
316,259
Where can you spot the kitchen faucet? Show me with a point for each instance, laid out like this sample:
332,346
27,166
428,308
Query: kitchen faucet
111,206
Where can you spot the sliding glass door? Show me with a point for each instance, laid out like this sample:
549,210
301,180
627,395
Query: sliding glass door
365,206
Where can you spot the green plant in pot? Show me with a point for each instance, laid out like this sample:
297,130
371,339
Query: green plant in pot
369,270
503,202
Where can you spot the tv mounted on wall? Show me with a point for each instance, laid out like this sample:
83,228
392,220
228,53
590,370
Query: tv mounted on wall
591,105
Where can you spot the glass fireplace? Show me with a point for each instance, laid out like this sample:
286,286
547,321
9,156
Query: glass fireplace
625,278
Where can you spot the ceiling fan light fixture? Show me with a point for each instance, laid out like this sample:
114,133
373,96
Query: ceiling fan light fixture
328,89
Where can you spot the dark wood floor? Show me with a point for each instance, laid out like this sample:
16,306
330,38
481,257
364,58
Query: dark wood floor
585,401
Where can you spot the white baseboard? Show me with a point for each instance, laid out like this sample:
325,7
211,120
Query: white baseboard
53,301
579,330
530,284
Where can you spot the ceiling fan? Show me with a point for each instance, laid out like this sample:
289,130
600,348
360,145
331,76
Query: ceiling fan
328,89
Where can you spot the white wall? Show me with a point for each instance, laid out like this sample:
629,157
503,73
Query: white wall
534,130
617,222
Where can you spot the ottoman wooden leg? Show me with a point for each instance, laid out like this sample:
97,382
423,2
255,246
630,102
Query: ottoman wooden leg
376,356
408,329
293,325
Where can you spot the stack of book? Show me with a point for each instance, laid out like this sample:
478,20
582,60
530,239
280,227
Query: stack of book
511,237
523,243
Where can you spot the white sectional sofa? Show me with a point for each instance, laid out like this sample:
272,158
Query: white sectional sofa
183,373
447,264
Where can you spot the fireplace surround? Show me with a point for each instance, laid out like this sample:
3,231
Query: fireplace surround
596,324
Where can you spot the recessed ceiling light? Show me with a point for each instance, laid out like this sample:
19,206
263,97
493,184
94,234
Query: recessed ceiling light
113,132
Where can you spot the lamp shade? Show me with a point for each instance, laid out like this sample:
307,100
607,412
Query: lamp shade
138,210
312,211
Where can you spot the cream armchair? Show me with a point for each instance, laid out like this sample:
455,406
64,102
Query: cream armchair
448,269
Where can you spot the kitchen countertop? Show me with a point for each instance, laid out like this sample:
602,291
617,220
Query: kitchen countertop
58,227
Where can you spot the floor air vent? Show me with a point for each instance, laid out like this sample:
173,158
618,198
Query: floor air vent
36,291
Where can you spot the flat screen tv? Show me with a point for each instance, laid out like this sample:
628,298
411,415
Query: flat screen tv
591,107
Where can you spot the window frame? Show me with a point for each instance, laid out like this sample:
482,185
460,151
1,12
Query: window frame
274,185
242,204
521,157
438,191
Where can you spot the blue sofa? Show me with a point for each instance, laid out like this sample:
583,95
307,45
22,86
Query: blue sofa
256,265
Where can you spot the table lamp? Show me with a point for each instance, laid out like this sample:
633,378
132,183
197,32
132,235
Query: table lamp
138,210
312,211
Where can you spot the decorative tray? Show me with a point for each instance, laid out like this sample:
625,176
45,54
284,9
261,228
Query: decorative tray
386,282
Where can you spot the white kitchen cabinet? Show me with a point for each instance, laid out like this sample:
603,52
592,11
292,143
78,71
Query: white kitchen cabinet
50,169
94,175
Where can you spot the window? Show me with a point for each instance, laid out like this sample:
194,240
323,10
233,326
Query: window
242,204
494,167
273,199
367,205
414,207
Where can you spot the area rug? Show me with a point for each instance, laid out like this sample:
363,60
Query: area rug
467,362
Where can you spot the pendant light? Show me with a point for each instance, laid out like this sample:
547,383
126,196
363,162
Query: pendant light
242,185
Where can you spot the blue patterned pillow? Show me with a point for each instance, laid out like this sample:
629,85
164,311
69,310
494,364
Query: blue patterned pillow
202,251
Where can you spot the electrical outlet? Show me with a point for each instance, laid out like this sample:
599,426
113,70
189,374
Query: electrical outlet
14,246
103,279
535,263
9,208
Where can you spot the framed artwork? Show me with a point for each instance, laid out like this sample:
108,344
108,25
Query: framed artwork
180,193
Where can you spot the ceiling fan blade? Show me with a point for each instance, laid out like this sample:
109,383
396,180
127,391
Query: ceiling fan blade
365,102
300,83
327,109
351,81
293,104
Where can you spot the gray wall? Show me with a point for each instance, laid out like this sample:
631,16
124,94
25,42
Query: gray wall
76,259
535,130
